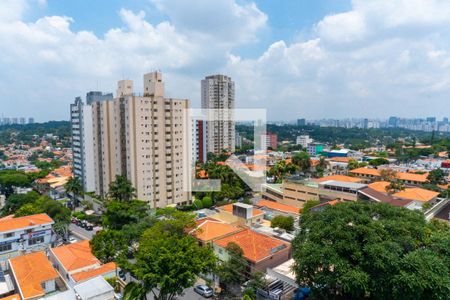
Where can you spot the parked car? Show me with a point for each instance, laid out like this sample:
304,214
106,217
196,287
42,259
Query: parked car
72,239
204,290
89,227
121,274
74,220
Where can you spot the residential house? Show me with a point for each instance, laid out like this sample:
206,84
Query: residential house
259,250
76,263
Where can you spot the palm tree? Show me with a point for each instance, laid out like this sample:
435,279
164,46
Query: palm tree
73,186
121,189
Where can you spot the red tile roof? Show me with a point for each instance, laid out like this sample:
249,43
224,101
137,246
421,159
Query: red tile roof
255,246
10,224
75,256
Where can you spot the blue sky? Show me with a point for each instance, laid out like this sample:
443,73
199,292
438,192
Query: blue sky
297,58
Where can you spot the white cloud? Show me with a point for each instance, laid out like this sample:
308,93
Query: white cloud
55,63
380,58
226,21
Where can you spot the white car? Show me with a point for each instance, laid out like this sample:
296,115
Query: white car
72,240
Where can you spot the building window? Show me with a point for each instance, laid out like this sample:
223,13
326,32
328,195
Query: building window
6,247
8,235
35,240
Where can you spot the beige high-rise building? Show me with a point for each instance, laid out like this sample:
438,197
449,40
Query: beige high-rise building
144,137
218,98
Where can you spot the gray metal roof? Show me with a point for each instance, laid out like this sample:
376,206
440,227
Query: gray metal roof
349,185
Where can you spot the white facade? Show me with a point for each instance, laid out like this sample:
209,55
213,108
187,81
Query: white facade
304,140
82,146
19,239
218,96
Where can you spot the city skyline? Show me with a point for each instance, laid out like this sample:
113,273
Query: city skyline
287,55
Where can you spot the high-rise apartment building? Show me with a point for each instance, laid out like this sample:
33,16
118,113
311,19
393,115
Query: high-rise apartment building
82,146
218,97
145,138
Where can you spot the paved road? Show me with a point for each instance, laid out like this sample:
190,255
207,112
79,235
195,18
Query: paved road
81,233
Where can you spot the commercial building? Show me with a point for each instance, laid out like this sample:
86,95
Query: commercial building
301,122
217,92
304,140
315,149
145,138
24,234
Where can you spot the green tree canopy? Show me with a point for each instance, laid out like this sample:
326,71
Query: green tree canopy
302,161
120,213
284,222
379,161
372,251
436,176
207,202
168,260
16,201
309,204
234,270
109,245
121,189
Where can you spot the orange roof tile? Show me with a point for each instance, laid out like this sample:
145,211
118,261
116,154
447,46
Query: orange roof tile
366,171
229,208
208,230
339,178
379,186
75,256
12,297
30,271
256,246
103,269
413,177
279,206
417,194
9,224
341,159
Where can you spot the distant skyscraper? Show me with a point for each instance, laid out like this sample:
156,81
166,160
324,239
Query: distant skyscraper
144,138
393,122
22,121
445,120
301,122
431,119
366,123
14,120
30,120
218,94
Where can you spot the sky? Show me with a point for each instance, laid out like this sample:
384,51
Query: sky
296,58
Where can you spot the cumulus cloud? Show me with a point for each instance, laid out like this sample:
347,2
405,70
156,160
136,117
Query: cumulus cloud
56,63
380,58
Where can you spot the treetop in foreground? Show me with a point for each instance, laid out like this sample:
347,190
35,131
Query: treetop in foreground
372,251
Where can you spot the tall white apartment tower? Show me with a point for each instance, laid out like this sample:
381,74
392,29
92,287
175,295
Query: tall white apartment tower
82,147
218,97
145,138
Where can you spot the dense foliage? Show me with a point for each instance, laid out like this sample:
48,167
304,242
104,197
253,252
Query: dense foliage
283,222
372,251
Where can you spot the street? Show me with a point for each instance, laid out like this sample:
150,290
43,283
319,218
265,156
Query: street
81,233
